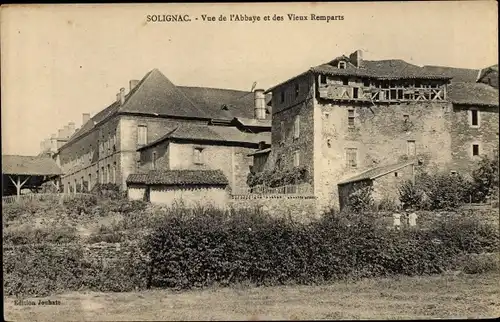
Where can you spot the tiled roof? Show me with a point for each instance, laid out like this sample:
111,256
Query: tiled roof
473,94
137,178
29,165
456,74
377,172
380,69
211,133
180,177
484,71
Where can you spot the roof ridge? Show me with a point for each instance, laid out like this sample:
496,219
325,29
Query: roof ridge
217,88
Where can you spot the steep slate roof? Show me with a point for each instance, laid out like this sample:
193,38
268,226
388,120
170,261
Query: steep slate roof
29,165
486,70
155,94
374,173
478,94
180,177
212,100
456,74
196,132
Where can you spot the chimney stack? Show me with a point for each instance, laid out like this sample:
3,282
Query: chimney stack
259,104
71,129
122,96
133,83
356,58
85,118
53,142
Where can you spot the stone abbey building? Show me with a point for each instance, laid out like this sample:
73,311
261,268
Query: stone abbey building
351,120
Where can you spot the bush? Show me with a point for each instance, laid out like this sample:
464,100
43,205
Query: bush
277,177
80,204
361,200
42,270
485,180
25,234
481,263
214,247
410,196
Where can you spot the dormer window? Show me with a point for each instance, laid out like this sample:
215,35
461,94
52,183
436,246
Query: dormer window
341,65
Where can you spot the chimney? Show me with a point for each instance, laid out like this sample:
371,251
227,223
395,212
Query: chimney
61,134
53,142
71,128
356,58
122,96
133,83
66,131
118,97
85,118
260,104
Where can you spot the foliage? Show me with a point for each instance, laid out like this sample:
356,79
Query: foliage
277,177
485,179
441,191
361,200
80,204
410,196
42,270
107,190
26,234
48,187
481,263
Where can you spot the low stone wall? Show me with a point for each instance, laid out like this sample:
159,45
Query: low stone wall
299,207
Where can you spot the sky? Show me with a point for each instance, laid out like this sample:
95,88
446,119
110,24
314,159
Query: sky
59,61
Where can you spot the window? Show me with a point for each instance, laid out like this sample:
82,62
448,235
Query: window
282,130
153,160
90,153
198,156
296,158
90,182
355,92
102,175
108,173
97,176
352,157
322,79
297,90
114,172
474,118
411,148
395,174
453,172
329,143
142,135
327,115
475,149
282,97
345,81
296,127
342,64
350,118
366,83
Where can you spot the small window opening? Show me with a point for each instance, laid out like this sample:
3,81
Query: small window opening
350,118
475,149
355,92
329,143
341,65
395,174
322,79
345,81
366,83
282,97
474,118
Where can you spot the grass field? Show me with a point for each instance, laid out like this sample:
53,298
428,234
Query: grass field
444,296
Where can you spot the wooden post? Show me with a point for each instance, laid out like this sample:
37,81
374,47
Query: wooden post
18,185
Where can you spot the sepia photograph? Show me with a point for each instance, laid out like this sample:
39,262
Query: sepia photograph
250,161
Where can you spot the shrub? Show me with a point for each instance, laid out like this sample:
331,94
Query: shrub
361,200
485,180
42,270
481,263
278,177
410,196
213,247
107,190
26,234
80,204
443,191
